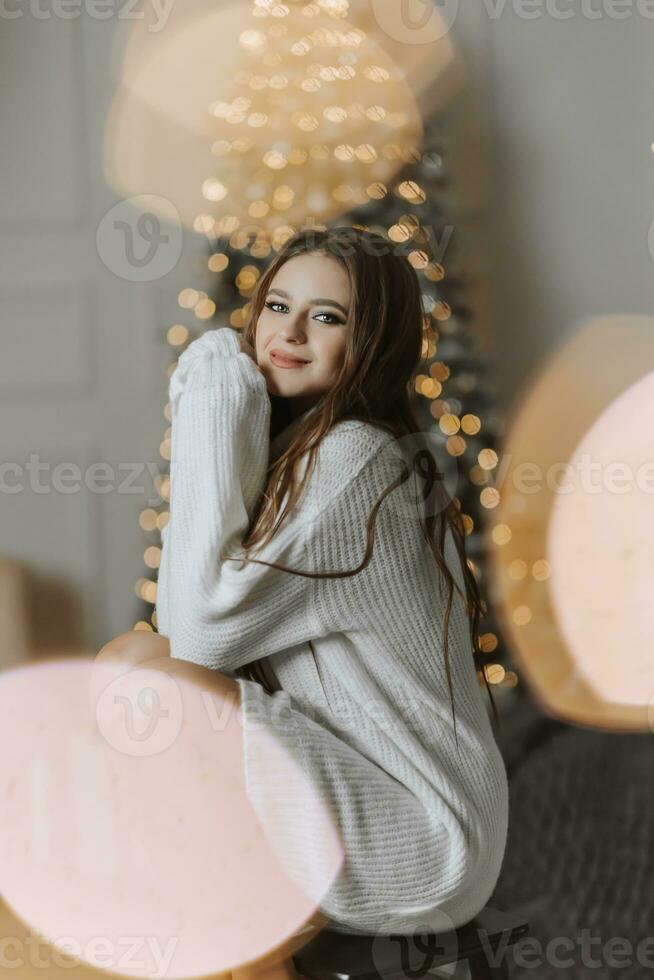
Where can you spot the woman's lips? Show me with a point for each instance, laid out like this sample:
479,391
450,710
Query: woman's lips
286,362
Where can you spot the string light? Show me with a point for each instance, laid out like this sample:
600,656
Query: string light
148,519
488,642
501,534
495,673
521,615
471,424
177,335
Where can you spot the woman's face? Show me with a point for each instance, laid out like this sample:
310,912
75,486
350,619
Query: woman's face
304,316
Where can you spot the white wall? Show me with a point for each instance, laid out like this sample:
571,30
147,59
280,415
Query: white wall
82,365
571,178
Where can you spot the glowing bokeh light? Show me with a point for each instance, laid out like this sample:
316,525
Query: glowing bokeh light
571,538
124,812
338,100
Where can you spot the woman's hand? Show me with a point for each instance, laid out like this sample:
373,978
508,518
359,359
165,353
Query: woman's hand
223,342
197,361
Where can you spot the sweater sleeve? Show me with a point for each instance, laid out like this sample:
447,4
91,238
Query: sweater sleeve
225,613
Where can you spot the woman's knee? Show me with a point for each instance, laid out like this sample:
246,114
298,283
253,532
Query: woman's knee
135,646
141,647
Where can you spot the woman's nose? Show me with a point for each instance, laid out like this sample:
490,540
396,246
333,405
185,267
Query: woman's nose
294,331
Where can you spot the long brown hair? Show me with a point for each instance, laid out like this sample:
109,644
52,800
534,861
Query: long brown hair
384,347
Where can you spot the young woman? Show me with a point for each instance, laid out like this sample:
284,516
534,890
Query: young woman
297,564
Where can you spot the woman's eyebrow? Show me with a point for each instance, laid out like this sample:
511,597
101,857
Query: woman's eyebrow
329,302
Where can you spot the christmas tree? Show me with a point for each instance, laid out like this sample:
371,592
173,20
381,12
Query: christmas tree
320,128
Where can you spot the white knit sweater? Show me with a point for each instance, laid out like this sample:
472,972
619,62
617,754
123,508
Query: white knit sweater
364,708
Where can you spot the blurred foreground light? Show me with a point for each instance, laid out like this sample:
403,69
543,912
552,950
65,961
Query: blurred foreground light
123,813
202,118
576,487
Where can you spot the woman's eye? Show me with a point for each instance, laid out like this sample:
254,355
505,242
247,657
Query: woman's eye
270,304
335,319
